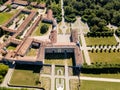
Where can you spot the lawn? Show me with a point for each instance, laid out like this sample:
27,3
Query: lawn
62,68
116,76
96,85
37,30
58,59
93,85
5,16
100,40
32,52
112,57
26,75
12,46
46,69
45,83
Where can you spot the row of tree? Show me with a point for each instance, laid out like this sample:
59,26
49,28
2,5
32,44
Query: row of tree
98,68
105,50
99,34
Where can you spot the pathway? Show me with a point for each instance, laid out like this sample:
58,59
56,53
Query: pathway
96,79
53,78
84,47
63,26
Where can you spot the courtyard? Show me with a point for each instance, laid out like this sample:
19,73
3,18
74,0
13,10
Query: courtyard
59,59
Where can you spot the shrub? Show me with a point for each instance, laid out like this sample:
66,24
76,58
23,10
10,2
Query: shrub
43,29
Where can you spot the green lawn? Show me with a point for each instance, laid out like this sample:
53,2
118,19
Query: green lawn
62,68
37,30
100,40
59,59
93,85
113,57
116,76
46,70
5,16
25,75
45,83
32,52
96,85
11,48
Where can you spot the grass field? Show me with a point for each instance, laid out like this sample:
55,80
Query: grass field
112,57
116,76
32,52
62,68
100,40
45,83
46,70
5,16
93,85
11,48
58,59
37,30
25,75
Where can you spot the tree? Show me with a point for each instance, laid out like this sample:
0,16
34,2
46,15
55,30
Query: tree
68,10
43,29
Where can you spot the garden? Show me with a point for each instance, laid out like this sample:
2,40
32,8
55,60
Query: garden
42,26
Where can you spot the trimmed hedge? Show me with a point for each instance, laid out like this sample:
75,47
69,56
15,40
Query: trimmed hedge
99,68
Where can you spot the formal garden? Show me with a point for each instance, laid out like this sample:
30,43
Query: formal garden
46,69
59,70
